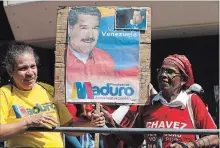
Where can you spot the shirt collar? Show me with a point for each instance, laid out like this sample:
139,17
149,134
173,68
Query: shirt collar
82,57
181,100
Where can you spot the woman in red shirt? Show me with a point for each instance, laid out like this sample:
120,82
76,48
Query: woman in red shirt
170,109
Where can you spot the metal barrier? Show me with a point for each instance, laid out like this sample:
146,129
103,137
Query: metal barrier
128,130
158,131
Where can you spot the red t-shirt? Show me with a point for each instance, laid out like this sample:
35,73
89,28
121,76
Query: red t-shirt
162,116
99,65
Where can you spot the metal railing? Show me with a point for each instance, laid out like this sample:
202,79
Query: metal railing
128,130
158,131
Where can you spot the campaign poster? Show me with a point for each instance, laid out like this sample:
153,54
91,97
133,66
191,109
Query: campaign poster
102,63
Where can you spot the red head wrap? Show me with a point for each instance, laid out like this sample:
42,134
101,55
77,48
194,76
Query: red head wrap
184,65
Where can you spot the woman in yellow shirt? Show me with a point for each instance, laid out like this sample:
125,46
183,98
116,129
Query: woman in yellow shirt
26,103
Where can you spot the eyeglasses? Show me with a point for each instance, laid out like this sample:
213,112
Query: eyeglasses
167,71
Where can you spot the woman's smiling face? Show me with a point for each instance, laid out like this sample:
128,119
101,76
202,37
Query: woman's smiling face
25,71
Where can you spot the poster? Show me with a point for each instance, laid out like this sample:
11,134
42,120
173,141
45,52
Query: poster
102,63
131,18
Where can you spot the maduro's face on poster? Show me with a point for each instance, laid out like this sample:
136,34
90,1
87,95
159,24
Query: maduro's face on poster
84,34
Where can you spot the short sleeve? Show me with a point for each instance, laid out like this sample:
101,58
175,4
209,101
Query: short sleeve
49,88
202,117
4,110
64,114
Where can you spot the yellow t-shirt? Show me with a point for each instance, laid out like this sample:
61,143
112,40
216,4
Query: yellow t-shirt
16,105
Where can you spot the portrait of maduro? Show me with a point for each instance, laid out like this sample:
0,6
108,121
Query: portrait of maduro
102,63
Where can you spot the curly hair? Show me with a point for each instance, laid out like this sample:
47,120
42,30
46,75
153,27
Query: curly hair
17,49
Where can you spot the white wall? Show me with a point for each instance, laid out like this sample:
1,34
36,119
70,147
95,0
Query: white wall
35,22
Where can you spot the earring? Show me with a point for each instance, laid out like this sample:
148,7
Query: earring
10,81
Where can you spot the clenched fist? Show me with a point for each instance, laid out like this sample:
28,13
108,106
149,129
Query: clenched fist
97,119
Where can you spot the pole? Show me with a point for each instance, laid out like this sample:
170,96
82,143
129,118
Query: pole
96,142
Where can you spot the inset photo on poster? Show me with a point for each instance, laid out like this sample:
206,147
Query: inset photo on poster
130,18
